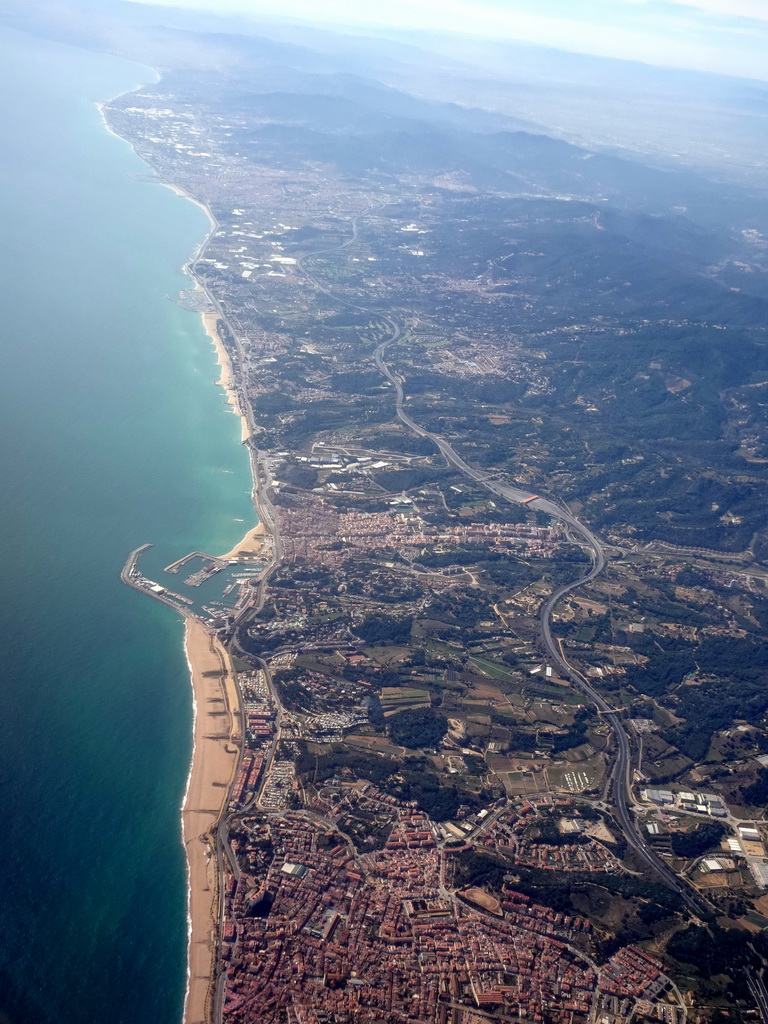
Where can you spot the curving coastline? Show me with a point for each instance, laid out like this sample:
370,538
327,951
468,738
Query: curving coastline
217,736
227,377
217,714
217,717
217,740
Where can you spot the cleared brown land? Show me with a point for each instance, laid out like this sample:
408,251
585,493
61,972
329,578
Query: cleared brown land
483,899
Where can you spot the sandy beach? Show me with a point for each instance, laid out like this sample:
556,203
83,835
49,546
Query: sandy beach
177,190
217,731
226,379
251,544
216,755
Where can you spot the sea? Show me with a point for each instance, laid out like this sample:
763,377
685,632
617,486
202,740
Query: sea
112,434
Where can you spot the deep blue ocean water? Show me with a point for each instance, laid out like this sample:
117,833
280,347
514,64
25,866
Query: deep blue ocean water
111,434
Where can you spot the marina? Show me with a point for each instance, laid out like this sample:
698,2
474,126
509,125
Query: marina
215,604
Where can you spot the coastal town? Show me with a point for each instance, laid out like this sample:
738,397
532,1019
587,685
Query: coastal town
383,935
474,761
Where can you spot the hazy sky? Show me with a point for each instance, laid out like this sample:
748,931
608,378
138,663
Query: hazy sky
728,36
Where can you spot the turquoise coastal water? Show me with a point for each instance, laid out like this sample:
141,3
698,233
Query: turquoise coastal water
112,435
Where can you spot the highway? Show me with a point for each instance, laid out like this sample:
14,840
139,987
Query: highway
620,778
262,482
622,769
757,987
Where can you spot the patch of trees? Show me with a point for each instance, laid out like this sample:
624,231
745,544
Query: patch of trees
711,707
576,733
465,555
713,950
393,590
274,402
716,538
418,728
698,841
756,793
692,577
464,609
376,713
508,572
267,613
519,740
306,232
375,768
357,382
292,694
661,673
760,548
385,629
320,416
555,889
439,802
589,813
666,607
511,658
416,780
261,643
413,779
345,319
475,765
300,476
396,480
310,577
745,661
481,869
400,441
511,572
632,887
738,691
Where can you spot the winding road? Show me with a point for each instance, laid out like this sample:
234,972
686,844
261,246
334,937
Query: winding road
622,768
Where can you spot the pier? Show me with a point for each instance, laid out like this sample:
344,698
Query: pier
179,563
130,574
211,567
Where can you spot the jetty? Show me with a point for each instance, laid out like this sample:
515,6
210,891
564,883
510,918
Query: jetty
130,575
220,563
